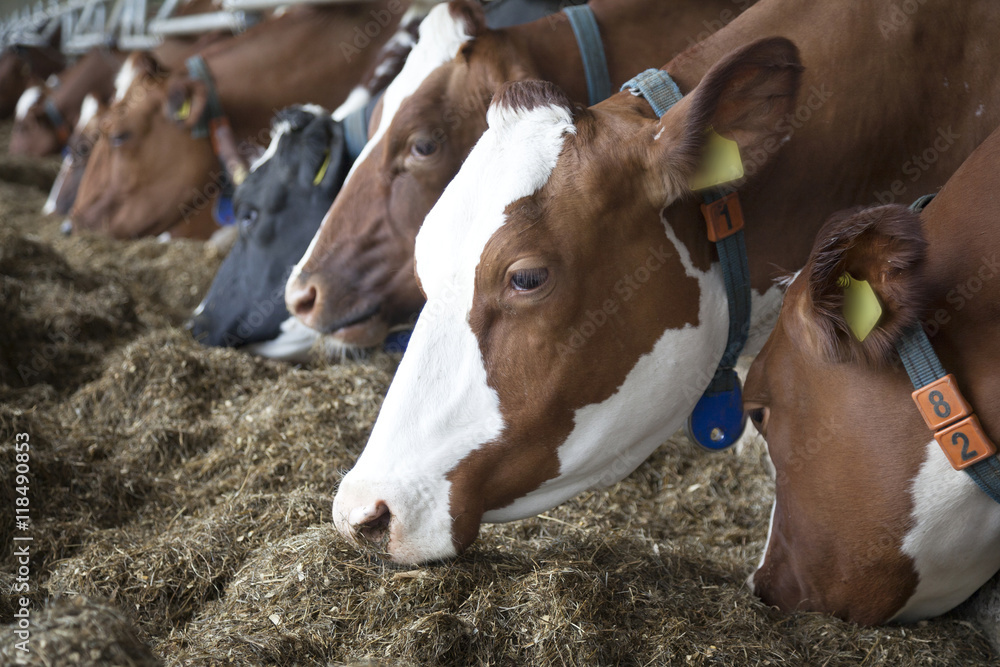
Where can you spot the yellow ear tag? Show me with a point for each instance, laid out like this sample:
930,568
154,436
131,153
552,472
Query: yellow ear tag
184,111
720,163
861,307
322,169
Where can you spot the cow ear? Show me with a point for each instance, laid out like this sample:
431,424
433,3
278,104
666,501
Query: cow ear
146,64
865,282
186,100
743,97
471,16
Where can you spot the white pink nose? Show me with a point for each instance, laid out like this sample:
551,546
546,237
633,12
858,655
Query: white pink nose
369,522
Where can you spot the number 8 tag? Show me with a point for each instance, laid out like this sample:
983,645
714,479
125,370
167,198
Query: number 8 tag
941,403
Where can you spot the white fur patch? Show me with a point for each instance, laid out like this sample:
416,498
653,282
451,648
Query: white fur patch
356,101
441,36
126,75
50,203
28,99
88,109
292,344
279,130
439,407
955,540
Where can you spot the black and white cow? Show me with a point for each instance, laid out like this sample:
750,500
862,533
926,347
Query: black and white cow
278,209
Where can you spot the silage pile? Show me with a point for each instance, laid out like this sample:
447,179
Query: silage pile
181,499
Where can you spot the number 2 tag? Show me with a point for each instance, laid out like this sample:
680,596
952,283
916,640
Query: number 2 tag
965,443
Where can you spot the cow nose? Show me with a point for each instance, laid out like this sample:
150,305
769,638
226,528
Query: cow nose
371,523
301,298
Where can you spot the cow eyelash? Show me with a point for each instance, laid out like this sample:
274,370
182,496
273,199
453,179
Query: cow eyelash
525,280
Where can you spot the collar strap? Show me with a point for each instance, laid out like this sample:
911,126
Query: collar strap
58,120
595,63
945,410
657,87
198,70
214,124
356,127
717,420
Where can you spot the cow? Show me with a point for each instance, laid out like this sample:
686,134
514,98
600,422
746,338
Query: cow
149,174
22,67
43,124
576,309
279,210
356,283
871,522
296,179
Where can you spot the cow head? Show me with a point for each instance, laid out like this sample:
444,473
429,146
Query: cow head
278,209
837,418
77,154
569,328
34,131
356,282
146,173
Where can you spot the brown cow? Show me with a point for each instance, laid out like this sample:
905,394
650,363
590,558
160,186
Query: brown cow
147,175
44,126
870,520
576,309
357,283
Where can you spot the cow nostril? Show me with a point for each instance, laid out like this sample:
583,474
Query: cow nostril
375,527
305,301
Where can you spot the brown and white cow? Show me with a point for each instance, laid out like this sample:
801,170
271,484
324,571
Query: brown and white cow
171,54
22,67
575,307
870,520
356,281
47,116
147,175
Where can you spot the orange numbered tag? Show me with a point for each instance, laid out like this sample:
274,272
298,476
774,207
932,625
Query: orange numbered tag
724,217
941,403
965,443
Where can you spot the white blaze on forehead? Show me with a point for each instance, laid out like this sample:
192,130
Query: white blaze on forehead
441,36
439,407
126,75
88,109
279,130
27,100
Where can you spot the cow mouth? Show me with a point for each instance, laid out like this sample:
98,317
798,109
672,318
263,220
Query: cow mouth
365,328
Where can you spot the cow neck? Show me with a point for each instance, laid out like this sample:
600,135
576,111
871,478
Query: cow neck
945,410
717,420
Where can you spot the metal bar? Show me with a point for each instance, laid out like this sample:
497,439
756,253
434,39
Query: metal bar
197,23
260,5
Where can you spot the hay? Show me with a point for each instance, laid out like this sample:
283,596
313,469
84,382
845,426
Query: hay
181,500
81,633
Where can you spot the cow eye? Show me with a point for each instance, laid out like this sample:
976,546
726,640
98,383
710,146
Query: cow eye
249,217
758,416
524,280
423,148
119,139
